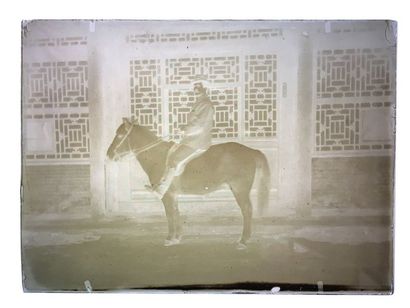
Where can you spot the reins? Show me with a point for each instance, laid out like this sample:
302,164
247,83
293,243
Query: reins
138,150
146,147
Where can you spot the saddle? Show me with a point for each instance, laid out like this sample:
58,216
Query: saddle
171,173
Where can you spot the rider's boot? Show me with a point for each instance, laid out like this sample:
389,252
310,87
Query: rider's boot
162,187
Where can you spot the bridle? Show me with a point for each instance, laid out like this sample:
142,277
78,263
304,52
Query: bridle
136,151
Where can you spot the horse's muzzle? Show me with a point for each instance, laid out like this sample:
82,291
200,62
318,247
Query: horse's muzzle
110,155
113,155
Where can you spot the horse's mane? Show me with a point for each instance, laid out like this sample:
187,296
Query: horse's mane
147,132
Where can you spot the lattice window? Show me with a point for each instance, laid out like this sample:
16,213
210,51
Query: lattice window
183,70
226,111
354,125
203,36
55,42
260,95
222,69
56,108
353,73
224,75
217,70
71,136
146,103
56,84
180,104
342,127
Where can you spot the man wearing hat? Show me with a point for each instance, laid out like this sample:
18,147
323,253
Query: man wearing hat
196,138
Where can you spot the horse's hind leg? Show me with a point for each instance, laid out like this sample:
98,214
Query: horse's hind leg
178,225
244,202
172,213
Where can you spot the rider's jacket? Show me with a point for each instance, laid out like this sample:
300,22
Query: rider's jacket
198,131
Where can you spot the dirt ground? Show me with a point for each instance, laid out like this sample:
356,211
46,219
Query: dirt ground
295,254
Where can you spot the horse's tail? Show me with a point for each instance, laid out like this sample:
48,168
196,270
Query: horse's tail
263,182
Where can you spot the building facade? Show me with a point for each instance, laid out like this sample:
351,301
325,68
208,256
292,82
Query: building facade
318,98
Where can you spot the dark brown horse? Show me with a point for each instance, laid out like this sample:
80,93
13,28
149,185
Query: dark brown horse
228,163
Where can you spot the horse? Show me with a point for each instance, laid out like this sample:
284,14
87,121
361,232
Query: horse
230,163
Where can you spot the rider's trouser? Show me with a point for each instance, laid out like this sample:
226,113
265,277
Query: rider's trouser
178,157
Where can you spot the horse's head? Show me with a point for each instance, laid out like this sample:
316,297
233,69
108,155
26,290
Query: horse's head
120,145
129,137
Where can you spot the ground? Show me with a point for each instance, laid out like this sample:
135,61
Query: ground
294,253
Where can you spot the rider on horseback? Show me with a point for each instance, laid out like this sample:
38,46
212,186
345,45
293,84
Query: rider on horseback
196,139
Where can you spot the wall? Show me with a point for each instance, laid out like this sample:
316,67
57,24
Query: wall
56,189
148,77
352,182
55,130
325,104
354,117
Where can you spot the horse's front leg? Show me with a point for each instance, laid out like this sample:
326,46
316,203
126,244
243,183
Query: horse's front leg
178,224
172,213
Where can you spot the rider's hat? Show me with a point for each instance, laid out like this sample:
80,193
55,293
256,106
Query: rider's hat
200,79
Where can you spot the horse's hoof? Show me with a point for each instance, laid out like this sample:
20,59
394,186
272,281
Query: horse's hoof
172,242
238,241
241,246
168,243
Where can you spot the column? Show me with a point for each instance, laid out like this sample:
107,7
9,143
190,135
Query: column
304,125
96,95
109,102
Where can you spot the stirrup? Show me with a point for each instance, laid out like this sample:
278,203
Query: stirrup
149,187
154,190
